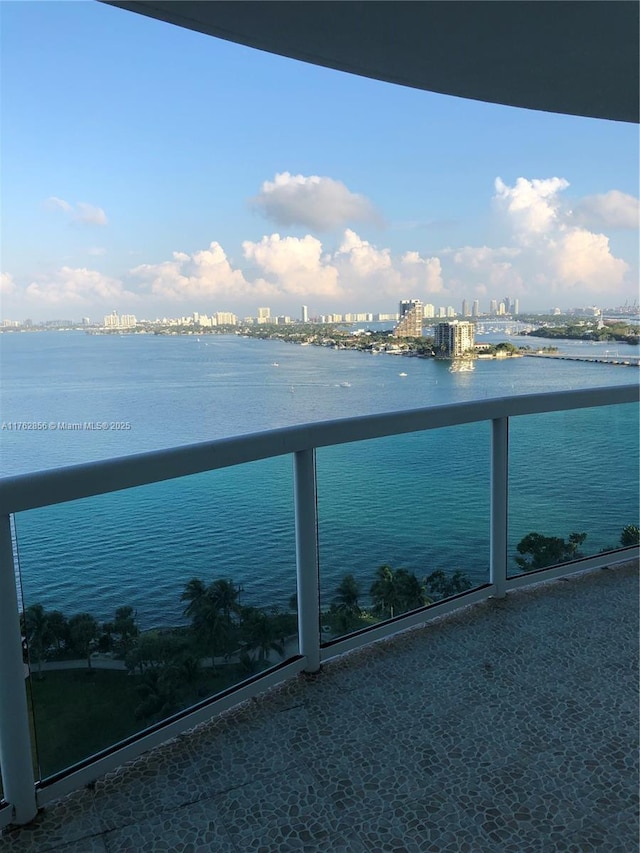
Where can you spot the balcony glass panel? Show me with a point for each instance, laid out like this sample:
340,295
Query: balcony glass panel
572,472
139,604
402,521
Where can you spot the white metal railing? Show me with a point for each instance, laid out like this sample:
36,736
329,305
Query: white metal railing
47,488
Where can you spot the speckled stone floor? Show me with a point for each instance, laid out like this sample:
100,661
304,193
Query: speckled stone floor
509,726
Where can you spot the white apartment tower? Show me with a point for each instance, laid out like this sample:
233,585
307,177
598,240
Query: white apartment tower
264,315
453,340
305,314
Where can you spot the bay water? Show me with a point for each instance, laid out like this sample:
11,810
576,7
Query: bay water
417,501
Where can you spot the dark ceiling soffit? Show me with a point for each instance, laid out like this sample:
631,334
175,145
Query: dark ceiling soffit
578,57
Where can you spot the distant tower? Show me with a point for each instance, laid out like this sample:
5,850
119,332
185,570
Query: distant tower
305,314
515,308
410,323
465,308
493,307
264,315
428,311
475,311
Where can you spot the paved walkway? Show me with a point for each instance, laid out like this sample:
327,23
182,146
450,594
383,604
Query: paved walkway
509,727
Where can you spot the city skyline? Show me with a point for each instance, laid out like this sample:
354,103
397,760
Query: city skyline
127,185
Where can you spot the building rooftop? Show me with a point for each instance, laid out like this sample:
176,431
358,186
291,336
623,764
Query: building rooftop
510,725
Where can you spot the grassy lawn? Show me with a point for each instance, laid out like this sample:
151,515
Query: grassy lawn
78,713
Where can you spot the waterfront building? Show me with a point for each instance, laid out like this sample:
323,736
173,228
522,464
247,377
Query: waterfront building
225,318
475,311
410,323
117,321
304,314
451,311
455,339
516,307
429,311
493,306
264,315
466,311
442,311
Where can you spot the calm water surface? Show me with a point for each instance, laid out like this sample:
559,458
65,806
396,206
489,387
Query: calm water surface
417,501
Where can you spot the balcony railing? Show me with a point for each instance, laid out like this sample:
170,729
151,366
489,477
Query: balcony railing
29,492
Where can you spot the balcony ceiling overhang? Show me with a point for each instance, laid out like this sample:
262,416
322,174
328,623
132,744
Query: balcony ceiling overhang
578,57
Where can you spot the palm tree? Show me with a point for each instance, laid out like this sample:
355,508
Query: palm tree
384,593
345,605
210,609
411,594
83,630
396,591
38,633
260,634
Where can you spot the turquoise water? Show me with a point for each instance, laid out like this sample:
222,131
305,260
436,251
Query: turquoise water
418,501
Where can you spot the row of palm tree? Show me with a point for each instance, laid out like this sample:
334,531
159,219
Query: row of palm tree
393,592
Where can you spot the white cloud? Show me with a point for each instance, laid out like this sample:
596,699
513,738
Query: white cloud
581,258
55,203
531,205
363,258
295,265
7,284
78,286
482,257
424,274
89,214
82,213
203,275
314,202
613,209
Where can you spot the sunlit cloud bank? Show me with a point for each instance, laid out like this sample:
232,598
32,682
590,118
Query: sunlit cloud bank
78,287
549,254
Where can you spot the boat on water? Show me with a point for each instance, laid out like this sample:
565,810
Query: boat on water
402,374
345,385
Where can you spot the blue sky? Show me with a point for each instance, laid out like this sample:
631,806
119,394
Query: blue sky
157,171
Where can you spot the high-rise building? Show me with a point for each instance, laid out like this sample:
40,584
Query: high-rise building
116,321
451,311
305,314
515,310
493,307
410,323
466,312
264,315
429,311
453,340
225,318
475,311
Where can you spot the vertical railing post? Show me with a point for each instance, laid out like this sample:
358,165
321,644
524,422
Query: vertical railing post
499,504
307,558
15,741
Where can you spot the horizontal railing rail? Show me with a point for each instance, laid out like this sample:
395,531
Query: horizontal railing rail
59,485
48,488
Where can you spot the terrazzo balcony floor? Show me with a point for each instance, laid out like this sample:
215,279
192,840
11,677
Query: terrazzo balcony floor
509,726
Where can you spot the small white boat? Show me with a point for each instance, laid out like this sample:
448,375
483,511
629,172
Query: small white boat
345,385
402,374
